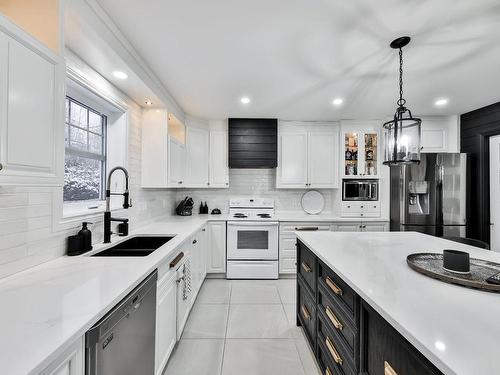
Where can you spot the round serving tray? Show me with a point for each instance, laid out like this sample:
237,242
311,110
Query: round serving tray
431,264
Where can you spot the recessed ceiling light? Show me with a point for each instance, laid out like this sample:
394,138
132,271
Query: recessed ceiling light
120,75
337,101
441,102
245,100
148,102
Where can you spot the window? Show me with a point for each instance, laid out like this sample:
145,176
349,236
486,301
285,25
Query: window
85,159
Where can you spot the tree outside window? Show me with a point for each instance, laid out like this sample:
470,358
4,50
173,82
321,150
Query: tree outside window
85,160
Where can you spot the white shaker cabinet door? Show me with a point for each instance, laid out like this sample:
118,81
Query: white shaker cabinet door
71,362
197,152
219,171
30,114
323,163
292,162
166,320
176,163
217,247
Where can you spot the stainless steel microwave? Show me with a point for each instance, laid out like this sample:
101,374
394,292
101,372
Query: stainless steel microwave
360,190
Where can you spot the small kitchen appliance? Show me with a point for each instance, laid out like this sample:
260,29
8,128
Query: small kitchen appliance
252,239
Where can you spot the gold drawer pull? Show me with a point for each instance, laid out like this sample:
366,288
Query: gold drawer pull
306,267
328,371
388,370
333,318
333,286
305,312
333,351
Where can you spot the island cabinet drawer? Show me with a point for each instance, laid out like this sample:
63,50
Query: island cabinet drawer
333,350
335,288
386,351
306,265
306,310
335,319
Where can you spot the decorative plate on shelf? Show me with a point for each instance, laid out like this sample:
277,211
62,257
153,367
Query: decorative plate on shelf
431,264
313,202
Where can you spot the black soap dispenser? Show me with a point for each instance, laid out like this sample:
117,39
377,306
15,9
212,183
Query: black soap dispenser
86,235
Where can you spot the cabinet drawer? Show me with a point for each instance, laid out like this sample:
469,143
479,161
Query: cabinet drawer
335,288
306,310
335,319
334,350
386,351
288,228
306,266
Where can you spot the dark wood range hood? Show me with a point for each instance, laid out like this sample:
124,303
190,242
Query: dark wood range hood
253,143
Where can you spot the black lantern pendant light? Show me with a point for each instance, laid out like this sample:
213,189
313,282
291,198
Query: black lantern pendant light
402,134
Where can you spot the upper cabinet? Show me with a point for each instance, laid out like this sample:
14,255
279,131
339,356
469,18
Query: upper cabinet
177,155
218,163
361,149
31,110
440,134
307,155
197,147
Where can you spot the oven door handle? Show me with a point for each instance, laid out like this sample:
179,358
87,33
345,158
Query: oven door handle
252,223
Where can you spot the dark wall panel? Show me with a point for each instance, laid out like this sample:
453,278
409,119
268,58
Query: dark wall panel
253,143
475,129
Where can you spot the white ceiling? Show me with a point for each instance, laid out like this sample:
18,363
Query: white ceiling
293,57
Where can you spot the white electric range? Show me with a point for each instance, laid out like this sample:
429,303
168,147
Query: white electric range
252,239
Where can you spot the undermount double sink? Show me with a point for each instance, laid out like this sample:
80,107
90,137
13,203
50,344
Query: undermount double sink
139,246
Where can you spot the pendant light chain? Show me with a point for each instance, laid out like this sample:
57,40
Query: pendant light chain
401,101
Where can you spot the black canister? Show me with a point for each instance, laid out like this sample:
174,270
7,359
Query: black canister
86,236
75,245
456,261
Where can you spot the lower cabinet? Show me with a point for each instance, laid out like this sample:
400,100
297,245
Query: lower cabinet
166,321
287,250
345,333
216,259
361,226
71,362
385,351
198,249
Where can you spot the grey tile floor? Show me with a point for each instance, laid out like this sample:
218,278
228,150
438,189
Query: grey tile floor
243,327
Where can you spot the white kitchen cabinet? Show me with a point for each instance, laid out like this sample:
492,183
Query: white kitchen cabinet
440,134
361,226
361,209
31,111
197,157
198,259
176,163
292,160
71,362
288,239
218,165
307,155
166,320
216,260
154,148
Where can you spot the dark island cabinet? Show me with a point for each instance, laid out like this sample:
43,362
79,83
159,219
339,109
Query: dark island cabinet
345,333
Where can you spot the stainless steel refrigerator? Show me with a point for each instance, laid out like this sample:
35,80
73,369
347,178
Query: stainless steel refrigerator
430,197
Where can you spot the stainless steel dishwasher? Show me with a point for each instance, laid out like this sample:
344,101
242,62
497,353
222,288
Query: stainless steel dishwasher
123,342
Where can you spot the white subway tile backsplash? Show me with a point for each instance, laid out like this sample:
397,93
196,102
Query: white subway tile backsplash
257,183
26,231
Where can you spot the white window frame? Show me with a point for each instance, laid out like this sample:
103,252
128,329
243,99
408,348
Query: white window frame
88,87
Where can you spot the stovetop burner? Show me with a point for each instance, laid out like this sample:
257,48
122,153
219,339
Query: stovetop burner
240,216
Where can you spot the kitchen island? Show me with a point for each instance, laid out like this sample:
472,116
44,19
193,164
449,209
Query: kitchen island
364,310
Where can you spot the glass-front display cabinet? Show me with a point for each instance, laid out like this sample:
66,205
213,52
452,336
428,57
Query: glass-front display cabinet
361,154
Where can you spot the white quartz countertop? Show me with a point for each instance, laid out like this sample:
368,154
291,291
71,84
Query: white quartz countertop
456,328
46,308
323,217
